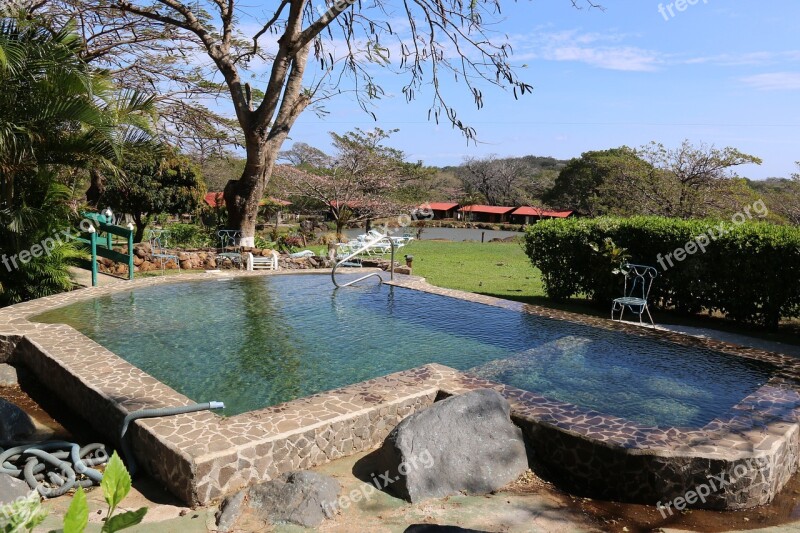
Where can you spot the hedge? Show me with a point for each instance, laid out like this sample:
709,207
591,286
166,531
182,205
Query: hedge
749,273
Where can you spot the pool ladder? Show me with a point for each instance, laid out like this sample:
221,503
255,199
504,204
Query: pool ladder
364,248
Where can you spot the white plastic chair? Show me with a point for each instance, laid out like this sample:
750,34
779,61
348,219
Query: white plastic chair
269,262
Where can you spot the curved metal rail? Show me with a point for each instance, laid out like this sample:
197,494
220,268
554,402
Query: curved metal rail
364,248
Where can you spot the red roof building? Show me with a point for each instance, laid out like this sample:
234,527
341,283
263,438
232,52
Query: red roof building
528,214
440,210
486,213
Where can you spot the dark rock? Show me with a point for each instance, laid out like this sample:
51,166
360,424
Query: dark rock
8,376
303,498
464,443
15,424
375,263
229,511
433,528
11,489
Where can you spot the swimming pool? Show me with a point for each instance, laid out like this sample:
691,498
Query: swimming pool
259,341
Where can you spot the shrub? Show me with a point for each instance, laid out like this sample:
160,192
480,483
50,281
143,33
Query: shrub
191,236
750,272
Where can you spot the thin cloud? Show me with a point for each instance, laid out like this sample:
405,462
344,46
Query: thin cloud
752,58
774,81
604,51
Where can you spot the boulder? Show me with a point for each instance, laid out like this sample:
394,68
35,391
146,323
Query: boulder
142,249
8,375
11,489
229,511
302,498
466,443
15,424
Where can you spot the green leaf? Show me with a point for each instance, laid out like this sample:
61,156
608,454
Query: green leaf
124,520
116,481
78,513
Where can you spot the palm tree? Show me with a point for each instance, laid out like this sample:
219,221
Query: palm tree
58,117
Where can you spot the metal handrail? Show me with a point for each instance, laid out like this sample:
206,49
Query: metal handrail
364,248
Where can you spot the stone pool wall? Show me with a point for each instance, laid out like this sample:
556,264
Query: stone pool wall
201,457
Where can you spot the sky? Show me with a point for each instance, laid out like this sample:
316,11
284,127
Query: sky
720,72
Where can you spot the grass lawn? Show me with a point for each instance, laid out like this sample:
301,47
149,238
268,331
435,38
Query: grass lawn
498,268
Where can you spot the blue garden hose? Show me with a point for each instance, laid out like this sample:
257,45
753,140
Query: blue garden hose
127,453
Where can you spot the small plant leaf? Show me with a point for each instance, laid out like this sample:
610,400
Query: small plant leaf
78,513
116,482
124,520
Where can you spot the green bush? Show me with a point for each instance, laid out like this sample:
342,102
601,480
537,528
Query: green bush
749,273
191,236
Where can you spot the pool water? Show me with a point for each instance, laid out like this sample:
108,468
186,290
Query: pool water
259,341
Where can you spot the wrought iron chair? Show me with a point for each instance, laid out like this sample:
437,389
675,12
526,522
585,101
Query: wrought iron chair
159,248
229,246
638,282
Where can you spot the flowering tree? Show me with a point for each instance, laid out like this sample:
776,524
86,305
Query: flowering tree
358,183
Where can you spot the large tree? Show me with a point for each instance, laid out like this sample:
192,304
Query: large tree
586,182
687,181
347,39
153,182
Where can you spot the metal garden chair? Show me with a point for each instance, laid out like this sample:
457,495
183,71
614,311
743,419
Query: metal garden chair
159,248
229,246
638,281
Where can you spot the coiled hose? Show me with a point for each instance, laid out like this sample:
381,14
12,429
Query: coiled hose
153,413
53,468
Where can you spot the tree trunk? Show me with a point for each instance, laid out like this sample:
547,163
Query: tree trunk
339,228
141,224
242,196
96,188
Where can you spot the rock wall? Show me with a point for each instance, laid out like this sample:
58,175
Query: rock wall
200,259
